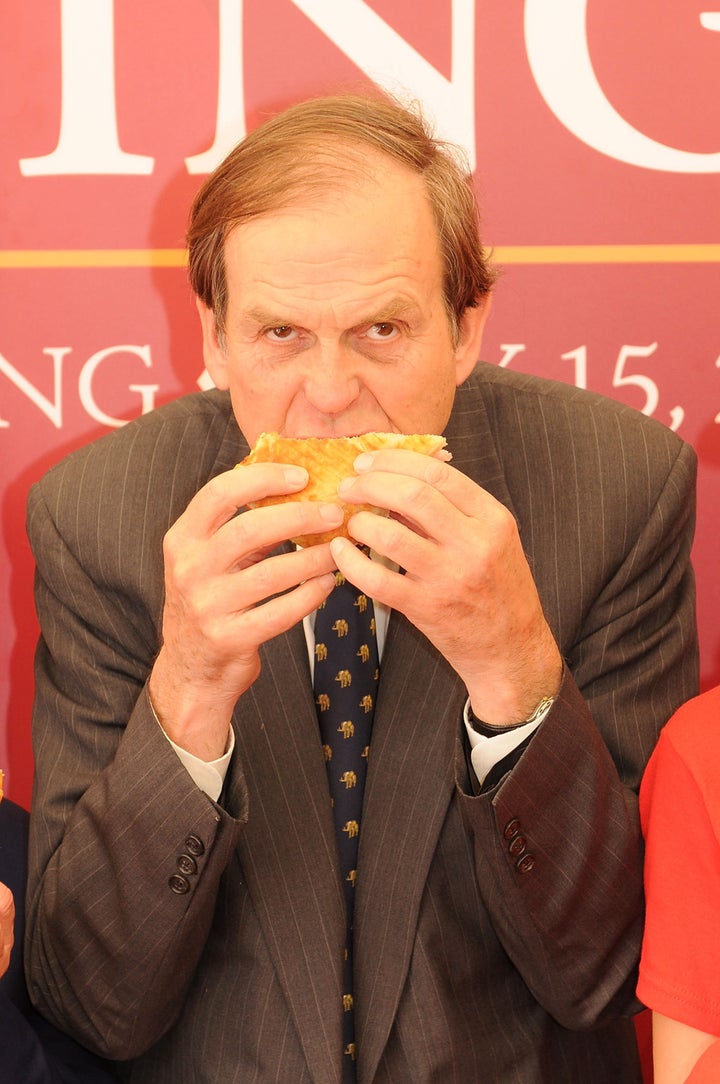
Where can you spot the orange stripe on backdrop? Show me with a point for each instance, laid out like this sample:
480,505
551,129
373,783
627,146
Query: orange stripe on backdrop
93,257
502,254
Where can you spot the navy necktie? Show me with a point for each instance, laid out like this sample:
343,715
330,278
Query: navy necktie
345,685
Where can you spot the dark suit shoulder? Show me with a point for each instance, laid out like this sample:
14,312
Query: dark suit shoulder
155,463
201,421
509,394
547,431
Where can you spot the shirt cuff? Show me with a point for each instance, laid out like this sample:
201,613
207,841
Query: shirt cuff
486,752
208,775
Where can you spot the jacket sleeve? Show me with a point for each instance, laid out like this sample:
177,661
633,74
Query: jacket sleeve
557,840
125,851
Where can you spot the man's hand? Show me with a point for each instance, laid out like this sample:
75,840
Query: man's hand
224,597
7,920
467,587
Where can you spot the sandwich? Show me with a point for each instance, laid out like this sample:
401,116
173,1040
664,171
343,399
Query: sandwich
328,460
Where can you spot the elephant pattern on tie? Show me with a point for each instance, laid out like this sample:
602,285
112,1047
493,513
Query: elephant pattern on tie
345,685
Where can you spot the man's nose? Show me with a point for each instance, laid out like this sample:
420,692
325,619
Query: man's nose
331,383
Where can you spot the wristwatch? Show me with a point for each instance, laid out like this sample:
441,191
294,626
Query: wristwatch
536,716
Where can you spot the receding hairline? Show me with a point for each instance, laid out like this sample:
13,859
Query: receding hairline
295,155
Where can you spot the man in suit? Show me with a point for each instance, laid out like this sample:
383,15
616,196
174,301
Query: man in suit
535,608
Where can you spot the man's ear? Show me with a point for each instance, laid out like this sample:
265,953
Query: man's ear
214,354
472,326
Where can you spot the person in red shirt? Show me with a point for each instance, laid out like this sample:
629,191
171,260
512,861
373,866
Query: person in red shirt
680,964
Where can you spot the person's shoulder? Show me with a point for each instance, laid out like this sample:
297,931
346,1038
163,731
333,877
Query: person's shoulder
694,730
688,749
525,394
145,472
196,412
189,430
549,421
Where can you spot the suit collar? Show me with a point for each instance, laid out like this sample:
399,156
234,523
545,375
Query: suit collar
471,439
233,447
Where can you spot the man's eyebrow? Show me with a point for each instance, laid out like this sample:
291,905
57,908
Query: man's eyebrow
264,317
398,306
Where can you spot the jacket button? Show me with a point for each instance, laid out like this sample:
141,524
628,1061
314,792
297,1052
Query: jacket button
179,884
511,828
517,846
195,846
525,864
186,864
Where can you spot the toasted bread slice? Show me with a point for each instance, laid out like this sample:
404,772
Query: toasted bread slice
328,460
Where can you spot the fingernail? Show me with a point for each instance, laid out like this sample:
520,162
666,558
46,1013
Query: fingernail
331,513
345,485
296,476
339,546
364,461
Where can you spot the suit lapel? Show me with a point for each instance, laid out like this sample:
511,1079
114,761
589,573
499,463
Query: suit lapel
288,850
410,783
472,443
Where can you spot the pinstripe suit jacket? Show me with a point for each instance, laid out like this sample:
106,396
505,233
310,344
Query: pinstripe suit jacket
468,966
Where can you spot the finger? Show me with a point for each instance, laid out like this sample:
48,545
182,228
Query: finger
386,585
221,497
421,491
419,502
7,907
406,545
247,537
278,614
251,534
271,576
434,472
240,631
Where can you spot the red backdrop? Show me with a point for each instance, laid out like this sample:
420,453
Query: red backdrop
593,130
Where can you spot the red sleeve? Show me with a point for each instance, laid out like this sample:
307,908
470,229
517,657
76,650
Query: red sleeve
680,964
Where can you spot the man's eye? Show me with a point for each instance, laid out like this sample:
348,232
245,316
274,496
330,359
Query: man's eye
382,330
281,333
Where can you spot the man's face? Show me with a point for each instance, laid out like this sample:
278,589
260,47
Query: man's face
335,322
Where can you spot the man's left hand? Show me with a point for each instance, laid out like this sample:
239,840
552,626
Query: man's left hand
467,584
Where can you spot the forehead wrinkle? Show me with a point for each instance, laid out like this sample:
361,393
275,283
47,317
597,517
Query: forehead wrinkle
287,290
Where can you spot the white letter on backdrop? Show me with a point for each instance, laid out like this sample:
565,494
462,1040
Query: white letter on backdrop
88,141
386,58
557,49
230,119
52,408
87,373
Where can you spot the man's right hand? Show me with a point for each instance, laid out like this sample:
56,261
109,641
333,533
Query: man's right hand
224,597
